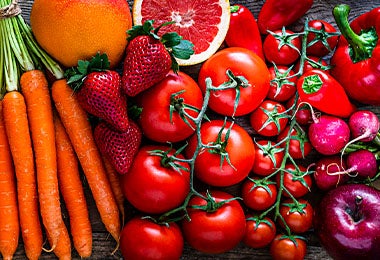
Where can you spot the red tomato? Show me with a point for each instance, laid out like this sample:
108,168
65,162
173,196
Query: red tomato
297,216
296,180
313,62
241,62
282,47
299,144
268,157
164,121
269,118
218,230
303,112
285,247
323,35
283,83
212,165
144,239
153,186
259,195
259,232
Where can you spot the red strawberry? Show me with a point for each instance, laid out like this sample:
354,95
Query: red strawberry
149,57
100,91
118,147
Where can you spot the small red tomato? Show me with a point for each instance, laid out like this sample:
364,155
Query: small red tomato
258,194
303,112
286,247
259,232
268,157
297,180
322,39
269,119
299,144
283,83
312,62
298,216
282,47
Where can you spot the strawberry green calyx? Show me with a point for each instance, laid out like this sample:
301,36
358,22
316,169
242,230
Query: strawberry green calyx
76,75
173,42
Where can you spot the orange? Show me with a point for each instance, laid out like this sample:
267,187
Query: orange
205,23
72,30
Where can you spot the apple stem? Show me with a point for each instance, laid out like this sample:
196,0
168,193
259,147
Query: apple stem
357,213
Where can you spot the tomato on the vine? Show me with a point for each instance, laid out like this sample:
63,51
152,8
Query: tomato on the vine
303,112
230,65
269,119
259,233
322,38
217,222
144,239
259,194
156,182
268,157
299,144
166,120
298,216
283,83
230,154
296,180
288,247
312,62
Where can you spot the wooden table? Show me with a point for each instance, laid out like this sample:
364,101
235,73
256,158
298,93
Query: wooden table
103,244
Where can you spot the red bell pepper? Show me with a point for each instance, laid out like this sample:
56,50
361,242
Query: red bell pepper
275,14
356,61
323,92
243,30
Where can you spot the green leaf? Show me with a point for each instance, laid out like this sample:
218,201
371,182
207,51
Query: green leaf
183,50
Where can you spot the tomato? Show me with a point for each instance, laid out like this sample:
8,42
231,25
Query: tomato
284,247
232,158
240,62
144,239
297,216
322,39
258,194
268,157
217,228
299,144
303,112
152,185
269,119
282,47
297,180
167,121
313,62
259,232
283,83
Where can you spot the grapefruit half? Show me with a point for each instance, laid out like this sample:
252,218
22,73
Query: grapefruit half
204,23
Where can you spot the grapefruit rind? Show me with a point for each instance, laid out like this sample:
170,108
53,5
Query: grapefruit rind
214,44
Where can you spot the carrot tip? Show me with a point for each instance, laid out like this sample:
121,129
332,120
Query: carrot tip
49,250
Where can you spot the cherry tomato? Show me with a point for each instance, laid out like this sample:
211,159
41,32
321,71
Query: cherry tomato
323,39
152,185
230,161
259,233
303,112
282,47
299,144
144,239
313,62
167,121
283,83
297,180
258,194
240,62
298,216
269,119
217,230
285,247
268,157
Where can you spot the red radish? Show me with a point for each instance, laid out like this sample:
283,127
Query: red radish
364,125
329,173
362,163
329,134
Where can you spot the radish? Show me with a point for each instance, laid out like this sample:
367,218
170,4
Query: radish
364,125
362,163
329,173
329,134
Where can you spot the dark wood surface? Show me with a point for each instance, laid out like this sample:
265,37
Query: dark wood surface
103,244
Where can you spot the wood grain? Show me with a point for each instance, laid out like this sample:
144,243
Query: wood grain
104,245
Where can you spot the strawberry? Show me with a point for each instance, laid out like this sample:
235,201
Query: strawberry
99,91
119,148
150,57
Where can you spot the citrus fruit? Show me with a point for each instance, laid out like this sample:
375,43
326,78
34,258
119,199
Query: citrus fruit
204,23
76,30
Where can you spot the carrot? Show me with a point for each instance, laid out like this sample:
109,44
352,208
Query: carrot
72,192
17,129
34,88
77,126
9,223
63,247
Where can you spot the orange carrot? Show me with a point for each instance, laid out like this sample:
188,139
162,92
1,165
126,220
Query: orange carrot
34,88
63,247
77,126
72,192
9,223
17,129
